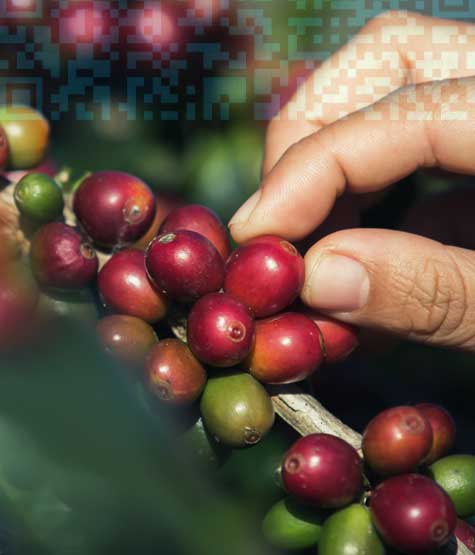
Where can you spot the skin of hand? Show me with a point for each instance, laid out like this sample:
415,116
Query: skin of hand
398,97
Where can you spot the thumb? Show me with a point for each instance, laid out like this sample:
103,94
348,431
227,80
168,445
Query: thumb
397,282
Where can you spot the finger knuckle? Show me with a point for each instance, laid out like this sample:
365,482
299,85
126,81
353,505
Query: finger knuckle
433,300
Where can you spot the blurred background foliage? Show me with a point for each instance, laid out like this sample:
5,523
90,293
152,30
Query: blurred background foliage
85,466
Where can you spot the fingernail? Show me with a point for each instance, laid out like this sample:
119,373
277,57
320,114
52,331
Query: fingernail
337,283
242,215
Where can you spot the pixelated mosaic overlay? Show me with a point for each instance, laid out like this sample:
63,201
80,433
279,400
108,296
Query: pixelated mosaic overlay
204,59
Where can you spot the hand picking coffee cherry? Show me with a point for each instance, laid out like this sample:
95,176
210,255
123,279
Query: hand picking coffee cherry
397,440
266,274
220,330
323,470
114,208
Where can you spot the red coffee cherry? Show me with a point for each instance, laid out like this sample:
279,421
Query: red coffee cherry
323,470
202,220
412,513
127,338
126,288
286,349
220,330
114,208
397,440
61,258
172,373
185,265
339,340
443,430
266,274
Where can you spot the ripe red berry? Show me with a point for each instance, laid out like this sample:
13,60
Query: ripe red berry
220,330
266,273
323,470
339,340
185,265
126,288
412,513
61,258
397,440
114,208
127,338
443,430
202,220
286,349
172,373
466,534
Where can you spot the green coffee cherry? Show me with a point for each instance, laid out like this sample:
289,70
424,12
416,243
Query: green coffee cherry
39,198
350,531
456,475
236,409
289,525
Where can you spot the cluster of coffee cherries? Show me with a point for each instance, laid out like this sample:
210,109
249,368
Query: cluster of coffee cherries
245,326
420,498
238,334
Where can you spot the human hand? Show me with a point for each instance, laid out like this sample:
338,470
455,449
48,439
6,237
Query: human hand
400,96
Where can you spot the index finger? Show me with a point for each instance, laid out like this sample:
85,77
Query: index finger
431,124
393,49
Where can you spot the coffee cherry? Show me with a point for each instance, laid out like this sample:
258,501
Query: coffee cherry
443,430
397,440
114,208
455,474
289,525
185,265
236,409
286,349
125,287
60,258
339,340
27,134
412,513
323,470
39,198
267,274
127,338
466,534
3,149
202,220
172,373
350,530
220,330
